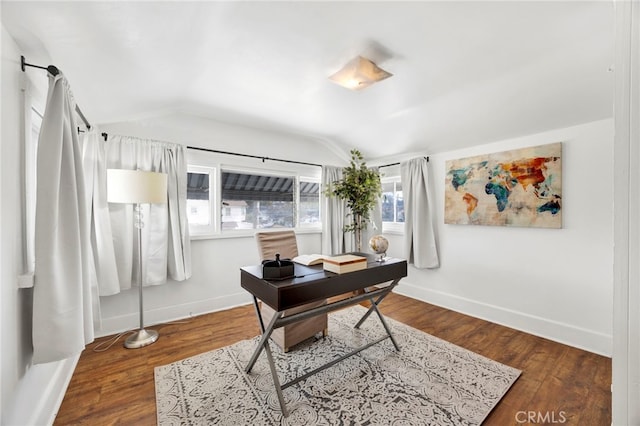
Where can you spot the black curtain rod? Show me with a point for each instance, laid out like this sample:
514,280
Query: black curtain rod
254,156
389,165
105,135
53,70
397,164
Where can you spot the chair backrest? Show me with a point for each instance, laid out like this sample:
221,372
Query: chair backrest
283,242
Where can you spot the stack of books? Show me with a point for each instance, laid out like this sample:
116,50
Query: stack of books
344,263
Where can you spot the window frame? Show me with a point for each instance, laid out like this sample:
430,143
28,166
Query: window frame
212,228
394,227
311,226
221,163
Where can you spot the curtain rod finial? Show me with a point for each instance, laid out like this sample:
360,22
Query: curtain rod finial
53,70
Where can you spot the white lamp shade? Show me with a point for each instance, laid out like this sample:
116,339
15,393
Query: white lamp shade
136,187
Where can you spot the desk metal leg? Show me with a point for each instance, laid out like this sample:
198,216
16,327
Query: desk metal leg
386,327
280,320
276,381
377,302
374,307
258,313
264,342
366,315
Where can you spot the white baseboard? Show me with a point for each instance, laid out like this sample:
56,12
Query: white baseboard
41,392
166,314
568,334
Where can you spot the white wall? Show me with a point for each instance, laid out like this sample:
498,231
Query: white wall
555,283
215,262
214,285
30,394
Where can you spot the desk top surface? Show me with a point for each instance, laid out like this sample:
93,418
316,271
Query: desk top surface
313,283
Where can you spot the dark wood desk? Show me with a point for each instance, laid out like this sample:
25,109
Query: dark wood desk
312,283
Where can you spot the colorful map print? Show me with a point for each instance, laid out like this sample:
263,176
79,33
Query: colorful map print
522,187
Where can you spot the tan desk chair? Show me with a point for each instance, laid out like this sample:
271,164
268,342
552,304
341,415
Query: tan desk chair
285,243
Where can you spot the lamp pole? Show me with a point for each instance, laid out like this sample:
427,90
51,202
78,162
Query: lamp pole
141,337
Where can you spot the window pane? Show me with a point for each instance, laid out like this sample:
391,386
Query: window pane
253,201
198,204
388,202
309,203
392,202
399,203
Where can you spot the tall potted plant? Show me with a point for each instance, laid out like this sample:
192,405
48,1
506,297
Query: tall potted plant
360,187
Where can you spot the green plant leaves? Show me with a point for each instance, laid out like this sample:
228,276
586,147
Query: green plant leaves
360,187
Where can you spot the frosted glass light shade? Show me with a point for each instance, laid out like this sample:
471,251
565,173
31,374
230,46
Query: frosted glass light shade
136,187
359,73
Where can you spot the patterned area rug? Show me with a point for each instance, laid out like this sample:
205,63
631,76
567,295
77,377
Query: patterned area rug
429,382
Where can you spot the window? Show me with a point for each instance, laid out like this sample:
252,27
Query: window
257,201
309,204
201,200
229,199
392,205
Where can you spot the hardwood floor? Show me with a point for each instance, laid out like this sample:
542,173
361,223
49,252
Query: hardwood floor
559,384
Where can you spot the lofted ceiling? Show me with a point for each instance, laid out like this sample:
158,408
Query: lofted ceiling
465,73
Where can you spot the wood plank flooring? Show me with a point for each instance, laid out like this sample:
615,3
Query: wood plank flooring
559,384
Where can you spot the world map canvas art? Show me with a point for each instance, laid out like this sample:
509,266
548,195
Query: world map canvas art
521,187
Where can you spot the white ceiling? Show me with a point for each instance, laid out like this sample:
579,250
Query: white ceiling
465,73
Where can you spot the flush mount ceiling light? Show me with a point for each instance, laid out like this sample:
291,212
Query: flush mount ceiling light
359,73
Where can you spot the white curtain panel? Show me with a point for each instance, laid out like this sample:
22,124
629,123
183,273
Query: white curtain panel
374,226
95,171
165,236
334,211
29,181
62,305
420,242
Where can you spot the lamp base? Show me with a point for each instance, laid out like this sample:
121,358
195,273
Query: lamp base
141,338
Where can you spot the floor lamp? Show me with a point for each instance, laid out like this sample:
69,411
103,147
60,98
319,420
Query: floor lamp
137,187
